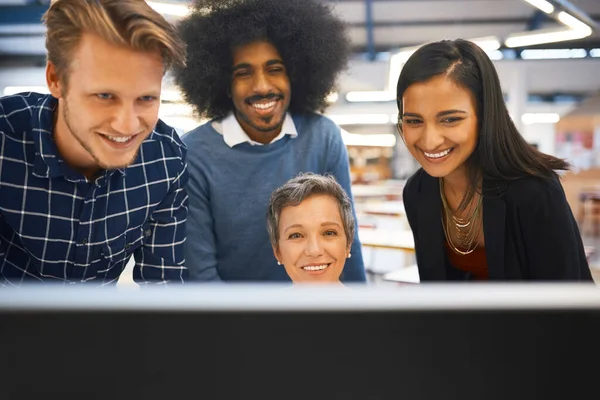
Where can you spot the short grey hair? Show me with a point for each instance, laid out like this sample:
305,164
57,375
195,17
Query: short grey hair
301,187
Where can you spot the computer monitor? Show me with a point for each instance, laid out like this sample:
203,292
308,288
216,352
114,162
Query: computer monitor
473,341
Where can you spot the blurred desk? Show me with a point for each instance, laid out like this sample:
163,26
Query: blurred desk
387,192
387,239
385,208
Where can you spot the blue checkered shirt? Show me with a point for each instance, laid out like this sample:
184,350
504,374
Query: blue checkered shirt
57,226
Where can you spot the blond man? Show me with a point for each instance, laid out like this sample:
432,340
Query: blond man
89,175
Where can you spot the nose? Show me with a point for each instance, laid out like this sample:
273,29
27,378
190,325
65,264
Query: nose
432,138
262,83
313,246
126,120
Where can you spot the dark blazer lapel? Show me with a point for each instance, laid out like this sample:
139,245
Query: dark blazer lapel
431,233
494,216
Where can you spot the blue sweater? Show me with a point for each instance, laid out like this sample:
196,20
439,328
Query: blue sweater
229,190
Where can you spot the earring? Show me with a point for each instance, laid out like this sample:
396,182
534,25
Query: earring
278,263
349,255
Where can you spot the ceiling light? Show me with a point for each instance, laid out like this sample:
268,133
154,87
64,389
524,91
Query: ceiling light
547,54
176,10
374,96
10,90
495,55
488,43
543,36
573,22
543,5
540,118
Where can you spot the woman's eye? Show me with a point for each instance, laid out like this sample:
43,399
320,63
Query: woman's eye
411,121
294,236
450,120
330,233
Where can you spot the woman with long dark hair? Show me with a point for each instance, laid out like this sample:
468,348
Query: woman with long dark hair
485,205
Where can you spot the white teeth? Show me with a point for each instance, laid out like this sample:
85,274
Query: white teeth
119,139
437,155
315,267
263,106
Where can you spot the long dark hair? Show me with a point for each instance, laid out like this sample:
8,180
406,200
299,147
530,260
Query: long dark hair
501,154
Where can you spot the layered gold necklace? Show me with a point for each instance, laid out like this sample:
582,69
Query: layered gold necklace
466,230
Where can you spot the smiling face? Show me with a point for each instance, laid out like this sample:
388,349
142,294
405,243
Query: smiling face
312,244
109,106
260,90
439,125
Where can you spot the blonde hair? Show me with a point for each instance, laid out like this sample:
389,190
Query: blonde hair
129,23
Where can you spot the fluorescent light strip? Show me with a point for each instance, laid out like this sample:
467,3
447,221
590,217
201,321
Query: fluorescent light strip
10,90
573,23
487,44
375,96
360,119
176,10
495,55
543,5
552,54
595,53
540,118
543,36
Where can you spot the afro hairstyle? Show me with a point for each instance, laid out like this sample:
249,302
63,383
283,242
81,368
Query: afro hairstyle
311,40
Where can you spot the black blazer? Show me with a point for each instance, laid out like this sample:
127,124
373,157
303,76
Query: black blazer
529,229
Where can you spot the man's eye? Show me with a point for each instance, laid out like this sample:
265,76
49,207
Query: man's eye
104,96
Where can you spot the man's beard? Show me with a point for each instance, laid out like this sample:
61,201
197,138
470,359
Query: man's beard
88,148
267,120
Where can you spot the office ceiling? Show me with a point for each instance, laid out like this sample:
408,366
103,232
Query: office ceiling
374,25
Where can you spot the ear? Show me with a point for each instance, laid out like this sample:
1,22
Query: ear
276,253
53,80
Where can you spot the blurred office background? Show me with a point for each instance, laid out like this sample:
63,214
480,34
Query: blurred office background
547,54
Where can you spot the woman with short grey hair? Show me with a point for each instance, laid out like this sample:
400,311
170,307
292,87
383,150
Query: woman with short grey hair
311,227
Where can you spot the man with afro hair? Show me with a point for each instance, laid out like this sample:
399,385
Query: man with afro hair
260,71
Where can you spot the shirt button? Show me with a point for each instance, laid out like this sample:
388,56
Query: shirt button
148,232
84,241
127,246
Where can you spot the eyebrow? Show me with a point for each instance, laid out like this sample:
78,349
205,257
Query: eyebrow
440,114
247,65
151,93
300,225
